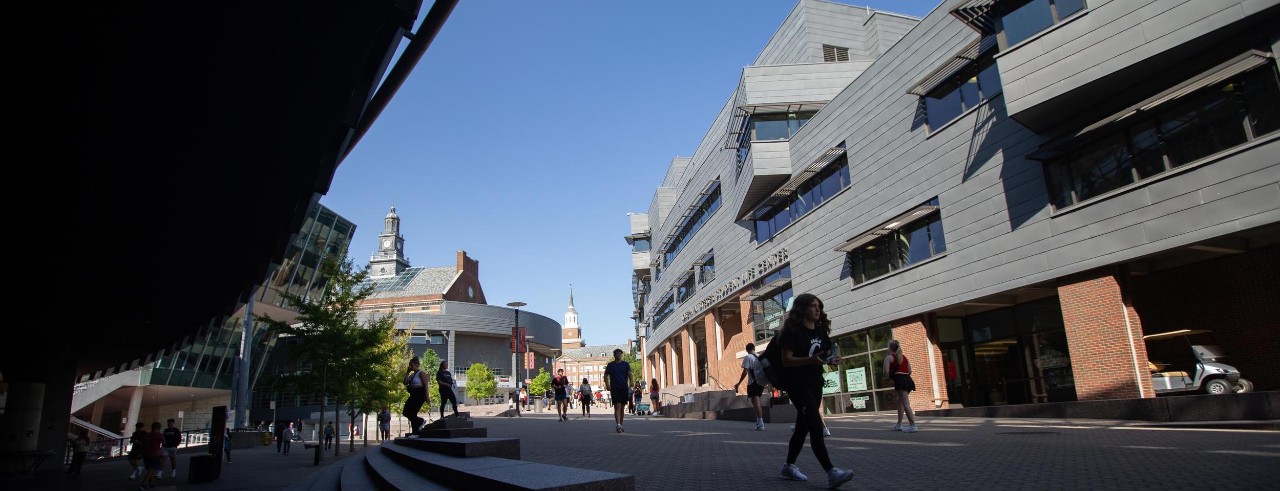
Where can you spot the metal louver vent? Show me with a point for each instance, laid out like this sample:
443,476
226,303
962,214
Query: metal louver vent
834,53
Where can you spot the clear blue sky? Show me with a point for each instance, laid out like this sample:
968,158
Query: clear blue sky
529,130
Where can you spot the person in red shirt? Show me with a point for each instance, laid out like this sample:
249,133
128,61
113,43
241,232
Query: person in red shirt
899,369
153,456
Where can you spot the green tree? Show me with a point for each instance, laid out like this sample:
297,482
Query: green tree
480,382
335,350
540,384
378,378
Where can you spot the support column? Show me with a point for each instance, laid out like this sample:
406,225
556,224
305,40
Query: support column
671,369
95,416
921,350
687,369
1104,337
135,408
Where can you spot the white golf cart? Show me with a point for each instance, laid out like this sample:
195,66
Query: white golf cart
1209,374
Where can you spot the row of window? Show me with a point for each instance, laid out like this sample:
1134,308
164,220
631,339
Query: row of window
769,127
1230,113
703,210
969,87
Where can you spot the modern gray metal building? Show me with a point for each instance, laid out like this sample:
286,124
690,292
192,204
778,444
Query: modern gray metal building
1017,190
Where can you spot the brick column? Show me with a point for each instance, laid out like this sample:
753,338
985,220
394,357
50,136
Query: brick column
671,365
919,345
1104,336
686,358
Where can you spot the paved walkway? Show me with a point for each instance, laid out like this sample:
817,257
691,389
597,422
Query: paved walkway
947,453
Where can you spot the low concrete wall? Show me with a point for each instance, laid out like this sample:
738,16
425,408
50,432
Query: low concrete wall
1253,406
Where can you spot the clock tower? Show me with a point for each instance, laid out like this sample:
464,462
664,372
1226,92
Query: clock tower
389,260
571,334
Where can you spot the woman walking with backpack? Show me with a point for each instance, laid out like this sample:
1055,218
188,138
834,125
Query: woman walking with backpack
584,393
806,346
899,369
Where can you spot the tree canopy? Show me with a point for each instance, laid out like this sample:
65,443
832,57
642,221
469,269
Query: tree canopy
480,382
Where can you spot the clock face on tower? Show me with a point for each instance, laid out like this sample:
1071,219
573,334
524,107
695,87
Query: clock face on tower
386,243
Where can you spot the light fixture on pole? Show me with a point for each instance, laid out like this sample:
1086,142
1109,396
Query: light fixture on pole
517,336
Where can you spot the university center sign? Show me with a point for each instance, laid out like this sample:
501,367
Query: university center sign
765,266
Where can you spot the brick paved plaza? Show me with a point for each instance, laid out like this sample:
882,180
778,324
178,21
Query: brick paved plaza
947,453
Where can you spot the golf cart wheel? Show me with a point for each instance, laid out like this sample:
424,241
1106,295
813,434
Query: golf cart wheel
1218,386
1243,386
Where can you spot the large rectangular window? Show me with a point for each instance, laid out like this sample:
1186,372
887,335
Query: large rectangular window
897,244
665,307
1034,16
822,186
686,288
769,310
707,270
967,88
1230,113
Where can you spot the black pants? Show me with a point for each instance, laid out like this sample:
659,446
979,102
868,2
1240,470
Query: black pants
417,397
328,439
808,423
77,459
447,395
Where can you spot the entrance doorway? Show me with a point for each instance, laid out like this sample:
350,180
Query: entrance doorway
1011,355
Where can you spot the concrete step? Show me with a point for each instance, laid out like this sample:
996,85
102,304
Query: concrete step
387,474
355,476
500,473
454,433
450,422
507,448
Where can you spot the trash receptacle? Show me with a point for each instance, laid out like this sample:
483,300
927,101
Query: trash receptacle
266,438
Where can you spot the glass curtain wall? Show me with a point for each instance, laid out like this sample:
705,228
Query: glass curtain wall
859,384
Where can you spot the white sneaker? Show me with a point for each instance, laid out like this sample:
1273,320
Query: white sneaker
792,427
897,427
759,426
618,429
837,476
910,429
826,431
790,471
173,473
134,474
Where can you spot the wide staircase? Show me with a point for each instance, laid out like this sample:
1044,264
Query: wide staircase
726,404
452,453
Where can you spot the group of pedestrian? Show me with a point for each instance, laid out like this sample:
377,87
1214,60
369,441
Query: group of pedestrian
415,382
147,452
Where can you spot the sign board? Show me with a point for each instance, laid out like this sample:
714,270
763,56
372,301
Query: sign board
859,402
528,359
856,379
179,414
831,382
506,381
272,406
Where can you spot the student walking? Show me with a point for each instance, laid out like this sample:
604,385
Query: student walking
654,396
806,345
384,423
899,369
153,456
444,379
617,377
172,438
755,386
287,436
226,441
416,383
328,434
79,449
560,385
584,396
137,441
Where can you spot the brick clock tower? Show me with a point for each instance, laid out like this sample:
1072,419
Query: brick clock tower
571,334
390,259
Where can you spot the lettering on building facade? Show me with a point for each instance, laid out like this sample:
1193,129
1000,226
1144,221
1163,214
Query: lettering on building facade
764,266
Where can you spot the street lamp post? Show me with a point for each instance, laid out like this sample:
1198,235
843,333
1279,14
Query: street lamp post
514,333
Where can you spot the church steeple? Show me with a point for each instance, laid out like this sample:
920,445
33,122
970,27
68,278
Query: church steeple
389,260
571,334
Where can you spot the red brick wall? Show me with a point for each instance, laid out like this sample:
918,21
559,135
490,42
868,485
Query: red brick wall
1236,296
914,339
735,340
1102,339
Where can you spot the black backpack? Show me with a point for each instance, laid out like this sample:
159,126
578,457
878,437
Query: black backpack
771,362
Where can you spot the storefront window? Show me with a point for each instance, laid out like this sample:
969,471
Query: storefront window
1019,356
858,384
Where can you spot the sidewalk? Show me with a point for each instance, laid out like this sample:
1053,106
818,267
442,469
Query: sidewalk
700,455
